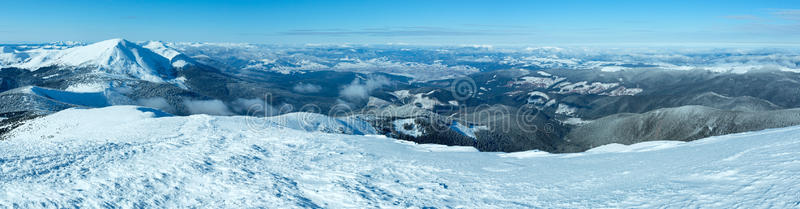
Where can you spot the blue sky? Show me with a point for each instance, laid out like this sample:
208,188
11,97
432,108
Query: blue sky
411,22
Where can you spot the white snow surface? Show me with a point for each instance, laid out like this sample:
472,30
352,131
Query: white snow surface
622,91
161,49
315,122
539,82
9,56
87,87
85,99
126,156
575,121
584,87
467,130
174,56
419,99
114,56
400,126
566,109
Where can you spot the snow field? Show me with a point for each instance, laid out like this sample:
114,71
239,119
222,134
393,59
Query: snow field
125,156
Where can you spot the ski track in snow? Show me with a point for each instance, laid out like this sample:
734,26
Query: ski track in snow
83,157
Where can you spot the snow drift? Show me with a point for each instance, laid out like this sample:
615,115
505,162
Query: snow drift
126,156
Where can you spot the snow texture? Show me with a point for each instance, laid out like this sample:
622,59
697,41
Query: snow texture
126,156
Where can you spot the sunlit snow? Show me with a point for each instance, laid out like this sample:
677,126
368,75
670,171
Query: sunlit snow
126,156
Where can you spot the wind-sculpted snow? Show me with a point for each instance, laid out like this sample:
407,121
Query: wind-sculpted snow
124,156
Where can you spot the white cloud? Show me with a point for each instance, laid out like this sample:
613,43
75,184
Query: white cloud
254,107
211,107
357,90
306,88
156,102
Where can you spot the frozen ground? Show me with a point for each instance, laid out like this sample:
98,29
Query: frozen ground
123,156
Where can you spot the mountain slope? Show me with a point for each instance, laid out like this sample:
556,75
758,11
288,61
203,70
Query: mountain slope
114,56
313,122
176,58
684,123
140,158
44,100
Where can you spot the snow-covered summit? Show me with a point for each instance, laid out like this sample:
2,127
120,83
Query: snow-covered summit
114,56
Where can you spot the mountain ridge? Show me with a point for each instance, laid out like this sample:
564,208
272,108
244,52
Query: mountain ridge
113,56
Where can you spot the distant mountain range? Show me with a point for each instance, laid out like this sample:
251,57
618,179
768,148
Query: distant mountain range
550,99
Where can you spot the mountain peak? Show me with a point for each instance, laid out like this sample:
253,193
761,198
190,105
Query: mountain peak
113,56
113,43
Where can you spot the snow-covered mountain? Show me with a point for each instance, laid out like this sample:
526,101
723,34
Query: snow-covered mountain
176,58
564,86
115,56
9,55
142,157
